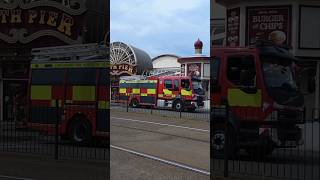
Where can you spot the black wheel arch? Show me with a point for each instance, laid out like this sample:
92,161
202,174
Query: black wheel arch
77,117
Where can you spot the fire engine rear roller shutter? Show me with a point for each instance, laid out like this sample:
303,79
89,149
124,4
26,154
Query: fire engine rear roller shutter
41,92
45,115
147,99
123,97
237,97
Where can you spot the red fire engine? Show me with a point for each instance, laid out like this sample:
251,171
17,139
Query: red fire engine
176,92
266,107
69,86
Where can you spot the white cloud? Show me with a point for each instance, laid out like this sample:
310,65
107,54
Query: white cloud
148,19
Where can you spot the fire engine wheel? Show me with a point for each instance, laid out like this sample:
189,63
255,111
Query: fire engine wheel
134,103
178,105
80,131
218,141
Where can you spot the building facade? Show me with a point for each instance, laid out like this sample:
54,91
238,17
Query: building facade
27,24
290,23
197,66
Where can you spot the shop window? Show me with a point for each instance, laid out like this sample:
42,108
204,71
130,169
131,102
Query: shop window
241,70
168,84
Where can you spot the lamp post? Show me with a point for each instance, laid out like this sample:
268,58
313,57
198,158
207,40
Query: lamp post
317,93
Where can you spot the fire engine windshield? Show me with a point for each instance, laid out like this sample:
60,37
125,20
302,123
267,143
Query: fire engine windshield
185,83
277,75
196,85
280,82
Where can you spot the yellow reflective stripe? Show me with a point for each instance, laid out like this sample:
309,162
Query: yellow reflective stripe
123,90
71,65
41,92
151,91
139,81
136,91
83,93
69,101
53,103
103,105
237,97
160,95
166,91
143,94
186,93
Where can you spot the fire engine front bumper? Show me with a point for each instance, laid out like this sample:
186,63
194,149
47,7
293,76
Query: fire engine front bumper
194,104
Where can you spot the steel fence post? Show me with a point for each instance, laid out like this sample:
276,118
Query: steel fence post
128,104
226,135
56,149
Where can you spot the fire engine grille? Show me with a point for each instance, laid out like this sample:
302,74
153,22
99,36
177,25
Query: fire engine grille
289,115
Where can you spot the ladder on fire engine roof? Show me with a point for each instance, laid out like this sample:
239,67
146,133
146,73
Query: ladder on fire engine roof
71,52
164,72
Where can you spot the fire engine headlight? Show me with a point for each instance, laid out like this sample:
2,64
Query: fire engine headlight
273,116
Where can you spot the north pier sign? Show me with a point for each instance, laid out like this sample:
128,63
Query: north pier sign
24,21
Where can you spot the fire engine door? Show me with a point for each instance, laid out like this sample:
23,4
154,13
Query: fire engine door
243,91
175,89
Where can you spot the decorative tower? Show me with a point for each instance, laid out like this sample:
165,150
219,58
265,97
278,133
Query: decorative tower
198,45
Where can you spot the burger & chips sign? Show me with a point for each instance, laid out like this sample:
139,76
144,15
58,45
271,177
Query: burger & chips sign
269,23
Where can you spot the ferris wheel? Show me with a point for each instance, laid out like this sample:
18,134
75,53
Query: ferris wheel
121,53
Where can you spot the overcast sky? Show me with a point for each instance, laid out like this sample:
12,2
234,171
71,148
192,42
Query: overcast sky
161,26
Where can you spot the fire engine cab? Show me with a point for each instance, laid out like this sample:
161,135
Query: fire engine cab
177,92
265,105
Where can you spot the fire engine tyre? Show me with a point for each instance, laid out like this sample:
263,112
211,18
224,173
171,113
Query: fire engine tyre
80,132
178,105
134,103
218,141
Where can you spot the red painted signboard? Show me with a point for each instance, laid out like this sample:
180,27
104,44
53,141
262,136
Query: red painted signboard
194,69
48,21
269,23
233,27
